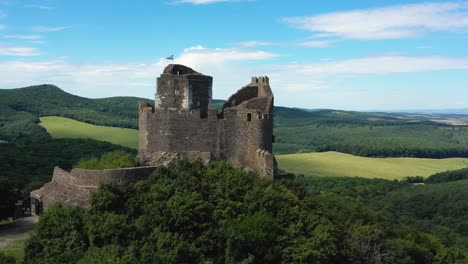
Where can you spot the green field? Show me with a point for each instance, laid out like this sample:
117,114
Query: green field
340,164
16,248
60,127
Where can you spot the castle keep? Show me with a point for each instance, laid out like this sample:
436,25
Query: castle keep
182,125
183,122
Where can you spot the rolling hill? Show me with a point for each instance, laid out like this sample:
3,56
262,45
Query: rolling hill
297,130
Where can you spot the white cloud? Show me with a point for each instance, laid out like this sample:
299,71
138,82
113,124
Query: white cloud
384,65
392,22
18,51
204,2
45,7
22,36
2,27
38,42
316,43
133,79
231,69
49,29
199,56
253,43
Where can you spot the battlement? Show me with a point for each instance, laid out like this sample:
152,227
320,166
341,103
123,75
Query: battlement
182,122
261,79
182,126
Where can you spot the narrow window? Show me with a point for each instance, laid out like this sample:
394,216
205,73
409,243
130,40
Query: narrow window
249,117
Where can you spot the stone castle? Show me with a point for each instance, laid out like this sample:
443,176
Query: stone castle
183,122
182,125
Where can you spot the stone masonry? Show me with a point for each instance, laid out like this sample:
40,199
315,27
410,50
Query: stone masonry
183,123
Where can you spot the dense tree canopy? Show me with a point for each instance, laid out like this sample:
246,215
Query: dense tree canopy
439,208
29,163
8,197
296,130
216,214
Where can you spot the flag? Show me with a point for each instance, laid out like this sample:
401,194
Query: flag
170,57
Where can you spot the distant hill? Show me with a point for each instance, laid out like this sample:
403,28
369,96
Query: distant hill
296,130
460,111
21,108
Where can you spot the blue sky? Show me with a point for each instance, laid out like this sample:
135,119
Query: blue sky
337,54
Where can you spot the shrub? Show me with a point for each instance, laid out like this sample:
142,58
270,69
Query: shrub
110,160
6,259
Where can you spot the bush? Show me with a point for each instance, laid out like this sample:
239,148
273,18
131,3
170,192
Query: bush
110,160
415,179
6,259
192,213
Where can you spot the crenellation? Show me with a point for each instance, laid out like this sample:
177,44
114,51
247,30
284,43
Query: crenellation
243,126
181,125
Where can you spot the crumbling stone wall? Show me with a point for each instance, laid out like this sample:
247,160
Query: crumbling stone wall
181,125
74,188
242,133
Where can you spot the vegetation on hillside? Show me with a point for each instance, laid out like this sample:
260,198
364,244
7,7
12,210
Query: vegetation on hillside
21,108
111,160
349,132
216,214
28,164
296,130
439,209
448,176
6,259
8,197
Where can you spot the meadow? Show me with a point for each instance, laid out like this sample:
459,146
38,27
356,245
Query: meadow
316,163
341,164
59,127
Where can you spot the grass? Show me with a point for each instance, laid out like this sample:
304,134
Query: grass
7,222
59,127
340,164
16,248
110,160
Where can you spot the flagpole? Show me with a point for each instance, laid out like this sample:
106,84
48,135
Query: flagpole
171,58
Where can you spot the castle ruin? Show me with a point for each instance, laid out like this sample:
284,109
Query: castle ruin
183,122
182,125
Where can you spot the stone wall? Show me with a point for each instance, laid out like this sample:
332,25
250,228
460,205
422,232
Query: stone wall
180,87
244,126
74,188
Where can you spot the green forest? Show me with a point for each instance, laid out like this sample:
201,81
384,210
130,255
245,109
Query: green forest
29,163
216,214
296,130
211,214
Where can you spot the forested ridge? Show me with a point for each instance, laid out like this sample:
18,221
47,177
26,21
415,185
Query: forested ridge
296,130
21,108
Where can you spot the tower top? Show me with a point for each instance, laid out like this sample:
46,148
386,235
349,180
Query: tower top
178,69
